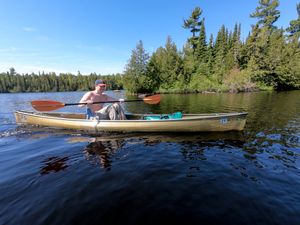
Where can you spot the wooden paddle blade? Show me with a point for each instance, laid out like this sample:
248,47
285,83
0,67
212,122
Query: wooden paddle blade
46,105
154,99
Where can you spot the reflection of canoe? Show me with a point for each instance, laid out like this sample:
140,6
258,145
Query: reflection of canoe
235,138
135,122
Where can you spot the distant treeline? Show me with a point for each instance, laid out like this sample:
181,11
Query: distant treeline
269,58
50,82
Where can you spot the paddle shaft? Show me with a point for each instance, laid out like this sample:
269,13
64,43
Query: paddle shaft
84,103
49,105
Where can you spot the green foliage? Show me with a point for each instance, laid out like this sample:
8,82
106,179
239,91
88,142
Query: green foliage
267,13
236,81
220,52
201,50
50,82
136,79
169,65
265,61
294,28
189,63
206,84
271,60
287,74
235,46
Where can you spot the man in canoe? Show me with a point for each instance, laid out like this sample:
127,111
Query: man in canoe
109,112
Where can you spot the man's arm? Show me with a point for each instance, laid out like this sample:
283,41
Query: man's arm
86,99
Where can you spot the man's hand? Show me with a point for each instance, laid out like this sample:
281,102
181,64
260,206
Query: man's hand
89,102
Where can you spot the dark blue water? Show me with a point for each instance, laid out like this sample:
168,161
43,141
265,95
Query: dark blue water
249,177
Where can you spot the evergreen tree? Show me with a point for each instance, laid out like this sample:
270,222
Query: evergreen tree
168,65
201,45
210,54
294,28
274,59
193,23
289,69
233,50
12,71
267,13
154,69
135,74
189,62
220,54
3,86
201,53
260,46
236,44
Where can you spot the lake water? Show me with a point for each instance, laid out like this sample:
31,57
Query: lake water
248,177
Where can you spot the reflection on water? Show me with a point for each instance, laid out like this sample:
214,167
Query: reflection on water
99,152
53,164
153,178
283,148
266,152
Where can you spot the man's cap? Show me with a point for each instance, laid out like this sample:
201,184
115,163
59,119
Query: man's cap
100,83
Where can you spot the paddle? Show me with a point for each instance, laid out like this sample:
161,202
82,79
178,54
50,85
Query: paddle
49,105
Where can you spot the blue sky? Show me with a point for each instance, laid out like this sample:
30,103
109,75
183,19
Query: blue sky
98,36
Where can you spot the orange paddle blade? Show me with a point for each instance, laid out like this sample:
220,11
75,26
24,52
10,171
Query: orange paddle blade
153,99
46,105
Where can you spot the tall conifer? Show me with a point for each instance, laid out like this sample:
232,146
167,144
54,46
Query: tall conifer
193,23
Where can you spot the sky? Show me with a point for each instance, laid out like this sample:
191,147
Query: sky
98,36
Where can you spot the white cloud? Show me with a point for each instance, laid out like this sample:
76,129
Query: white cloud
42,38
90,47
48,60
28,29
36,69
23,68
10,49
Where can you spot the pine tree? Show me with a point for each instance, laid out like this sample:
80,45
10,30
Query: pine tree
12,71
294,28
135,75
236,44
3,88
259,45
220,54
189,63
193,23
210,54
201,51
168,64
267,13
154,69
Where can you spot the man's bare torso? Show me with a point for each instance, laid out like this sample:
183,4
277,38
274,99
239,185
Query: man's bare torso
95,97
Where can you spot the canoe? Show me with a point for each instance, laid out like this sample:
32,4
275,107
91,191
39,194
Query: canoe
135,122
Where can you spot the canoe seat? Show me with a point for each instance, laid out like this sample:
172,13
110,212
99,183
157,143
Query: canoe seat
176,115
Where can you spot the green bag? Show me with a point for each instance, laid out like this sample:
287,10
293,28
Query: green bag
174,116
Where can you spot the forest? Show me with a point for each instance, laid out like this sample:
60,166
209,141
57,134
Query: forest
11,82
268,59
